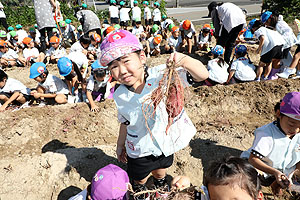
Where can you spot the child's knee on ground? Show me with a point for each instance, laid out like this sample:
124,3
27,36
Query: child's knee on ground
61,99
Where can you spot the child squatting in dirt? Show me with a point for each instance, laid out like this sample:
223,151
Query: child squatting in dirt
146,151
275,149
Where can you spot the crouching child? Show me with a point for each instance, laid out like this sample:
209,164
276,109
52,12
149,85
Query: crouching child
98,85
12,91
50,87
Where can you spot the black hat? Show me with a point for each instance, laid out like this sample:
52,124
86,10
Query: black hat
211,7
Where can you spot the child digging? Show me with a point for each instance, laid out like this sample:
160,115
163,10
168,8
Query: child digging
146,150
50,87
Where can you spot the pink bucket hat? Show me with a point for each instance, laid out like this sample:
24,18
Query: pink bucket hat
290,105
110,182
118,44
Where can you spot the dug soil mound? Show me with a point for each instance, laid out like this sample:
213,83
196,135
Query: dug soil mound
52,152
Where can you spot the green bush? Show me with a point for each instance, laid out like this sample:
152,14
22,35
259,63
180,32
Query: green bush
288,8
19,15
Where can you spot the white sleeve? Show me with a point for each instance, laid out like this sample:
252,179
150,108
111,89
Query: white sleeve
263,143
121,119
233,66
258,33
90,84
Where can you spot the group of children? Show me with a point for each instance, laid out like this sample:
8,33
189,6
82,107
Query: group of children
148,147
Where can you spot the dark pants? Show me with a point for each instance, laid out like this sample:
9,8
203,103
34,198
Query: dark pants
43,37
4,23
227,40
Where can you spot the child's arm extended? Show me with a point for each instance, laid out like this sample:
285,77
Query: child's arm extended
94,107
193,66
259,164
261,43
121,151
231,73
10,100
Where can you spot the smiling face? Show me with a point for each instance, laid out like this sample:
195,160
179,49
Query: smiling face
129,69
289,125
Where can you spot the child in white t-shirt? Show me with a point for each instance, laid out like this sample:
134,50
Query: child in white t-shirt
165,26
136,13
50,87
188,32
270,46
275,149
138,29
98,85
81,45
204,38
10,57
156,14
147,15
12,91
21,33
145,150
242,69
124,15
30,53
94,48
175,41
217,67
154,44
56,51
113,12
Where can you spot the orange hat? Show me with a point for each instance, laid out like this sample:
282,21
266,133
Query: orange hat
157,39
27,40
96,37
175,28
206,26
186,24
3,43
54,39
109,29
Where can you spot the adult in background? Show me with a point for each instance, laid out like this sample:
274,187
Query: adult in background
44,18
89,20
3,17
228,20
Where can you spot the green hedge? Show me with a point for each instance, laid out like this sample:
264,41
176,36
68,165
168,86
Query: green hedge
288,8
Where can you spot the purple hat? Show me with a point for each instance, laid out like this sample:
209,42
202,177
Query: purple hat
118,44
110,182
290,105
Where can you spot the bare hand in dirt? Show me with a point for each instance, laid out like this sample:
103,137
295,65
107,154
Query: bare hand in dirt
181,182
94,108
2,108
121,154
282,180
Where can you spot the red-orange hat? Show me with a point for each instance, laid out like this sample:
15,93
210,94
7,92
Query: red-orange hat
54,39
186,24
109,29
3,43
96,37
175,28
27,40
157,39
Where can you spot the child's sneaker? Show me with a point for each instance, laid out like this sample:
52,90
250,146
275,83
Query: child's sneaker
71,99
77,98
286,72
162,186
297,75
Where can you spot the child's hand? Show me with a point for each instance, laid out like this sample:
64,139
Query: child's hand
121,154
94,108
37,95
177,58
2,108
282,179
181,182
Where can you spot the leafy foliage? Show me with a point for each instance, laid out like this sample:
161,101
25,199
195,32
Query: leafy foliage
288,8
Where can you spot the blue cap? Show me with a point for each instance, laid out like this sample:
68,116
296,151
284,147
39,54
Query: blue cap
37,69
156,4
265,16
145,2
251,23
113,1
84,5
217,50
240,49
68,21
64,65
96,65
122,3
135,2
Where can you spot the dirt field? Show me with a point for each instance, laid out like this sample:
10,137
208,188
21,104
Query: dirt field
52,152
